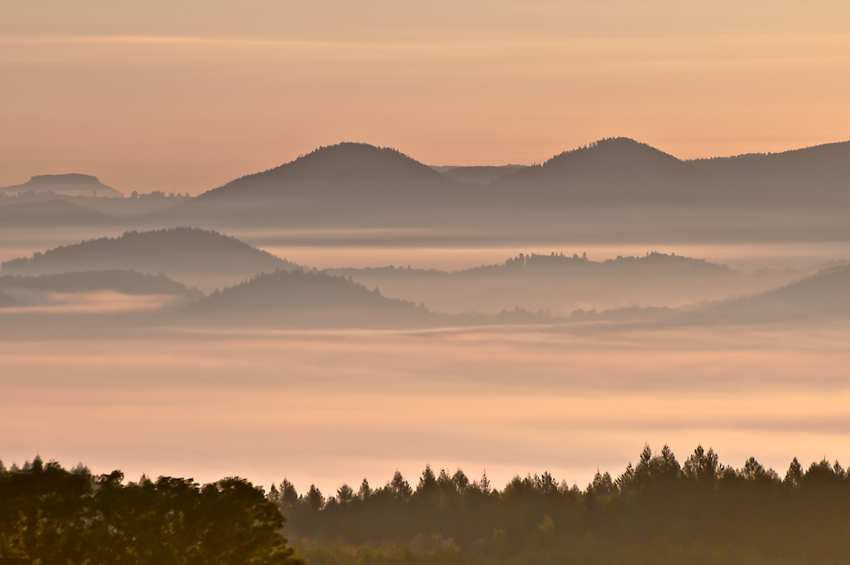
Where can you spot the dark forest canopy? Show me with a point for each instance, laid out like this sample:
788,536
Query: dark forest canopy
49,515
658,511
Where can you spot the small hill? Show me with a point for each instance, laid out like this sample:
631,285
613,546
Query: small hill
175,252
52,213
305,298
611,171
125,282
69,185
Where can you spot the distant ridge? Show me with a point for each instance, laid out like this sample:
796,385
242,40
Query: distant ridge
72,184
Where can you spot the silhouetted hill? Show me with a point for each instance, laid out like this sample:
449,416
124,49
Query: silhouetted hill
177,252
341,185
70,185
813,175
306,298
346,169
611,171
52,213
125,282
478,175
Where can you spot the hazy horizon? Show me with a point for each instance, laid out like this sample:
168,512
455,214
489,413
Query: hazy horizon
160,96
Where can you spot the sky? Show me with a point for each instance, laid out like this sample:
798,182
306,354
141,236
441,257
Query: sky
184,96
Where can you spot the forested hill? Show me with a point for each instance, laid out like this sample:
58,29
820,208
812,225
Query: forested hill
356,170
658,511
175,250
306,298
610,171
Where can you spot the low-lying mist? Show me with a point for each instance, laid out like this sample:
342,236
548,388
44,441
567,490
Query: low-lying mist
337,406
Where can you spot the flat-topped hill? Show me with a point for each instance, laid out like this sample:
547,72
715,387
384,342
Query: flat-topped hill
72,184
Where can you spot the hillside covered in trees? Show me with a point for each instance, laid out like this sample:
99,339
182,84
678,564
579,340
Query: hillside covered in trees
657,511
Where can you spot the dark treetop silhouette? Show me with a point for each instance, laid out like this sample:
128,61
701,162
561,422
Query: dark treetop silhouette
656,512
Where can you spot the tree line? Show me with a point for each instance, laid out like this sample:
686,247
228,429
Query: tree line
50,515
656,511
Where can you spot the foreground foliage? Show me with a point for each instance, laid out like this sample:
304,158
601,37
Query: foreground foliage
658,512
49,515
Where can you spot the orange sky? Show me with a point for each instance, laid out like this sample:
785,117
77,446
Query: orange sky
184,96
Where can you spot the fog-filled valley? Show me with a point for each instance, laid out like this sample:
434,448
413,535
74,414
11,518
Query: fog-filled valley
356,313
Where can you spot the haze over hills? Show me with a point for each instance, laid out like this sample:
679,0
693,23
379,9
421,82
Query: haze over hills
69,184
822,296
124,282
200,258
478,174
819,298
563,283
51,213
